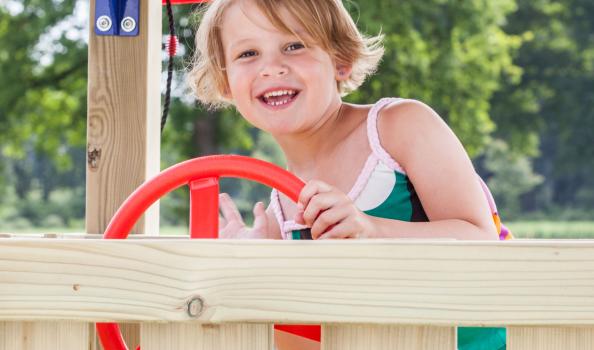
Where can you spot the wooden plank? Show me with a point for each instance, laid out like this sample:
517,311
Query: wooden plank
123,121
184,336
373,281
123,118
364,337
550,338
65,335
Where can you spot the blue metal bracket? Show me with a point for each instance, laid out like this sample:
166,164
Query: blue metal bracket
117,17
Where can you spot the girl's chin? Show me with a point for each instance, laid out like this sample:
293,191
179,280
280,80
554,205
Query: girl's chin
280,128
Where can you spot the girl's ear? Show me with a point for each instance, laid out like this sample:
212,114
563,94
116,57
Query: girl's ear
343,72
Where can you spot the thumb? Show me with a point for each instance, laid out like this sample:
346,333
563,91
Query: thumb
260,217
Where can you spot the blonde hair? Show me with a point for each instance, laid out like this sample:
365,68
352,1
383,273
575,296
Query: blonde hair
326,21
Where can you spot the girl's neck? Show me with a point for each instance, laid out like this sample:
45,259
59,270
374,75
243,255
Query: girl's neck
306,153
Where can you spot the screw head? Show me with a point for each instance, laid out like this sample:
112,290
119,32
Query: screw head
195,307
103,23
128,24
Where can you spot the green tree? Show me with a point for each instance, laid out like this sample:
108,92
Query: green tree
517,71
43,102
449,54
549,112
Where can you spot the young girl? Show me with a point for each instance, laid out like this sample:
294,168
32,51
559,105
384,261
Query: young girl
392,169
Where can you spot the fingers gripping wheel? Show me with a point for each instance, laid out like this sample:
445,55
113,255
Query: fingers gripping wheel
202,175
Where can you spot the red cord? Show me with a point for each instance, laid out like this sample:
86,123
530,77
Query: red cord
171,45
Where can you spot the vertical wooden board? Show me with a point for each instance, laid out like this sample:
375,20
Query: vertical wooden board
123,122
550,338
123,118
65,335
187,336
94,343
364,337
12,336
131,332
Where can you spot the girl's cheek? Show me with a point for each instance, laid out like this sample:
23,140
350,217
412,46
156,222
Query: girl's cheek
239,75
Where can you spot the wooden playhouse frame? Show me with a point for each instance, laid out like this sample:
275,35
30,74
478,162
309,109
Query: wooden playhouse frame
205,294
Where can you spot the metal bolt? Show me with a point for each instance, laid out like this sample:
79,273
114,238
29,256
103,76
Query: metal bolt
195,307
104,23
128,24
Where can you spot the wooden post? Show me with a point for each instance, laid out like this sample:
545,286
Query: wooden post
123,123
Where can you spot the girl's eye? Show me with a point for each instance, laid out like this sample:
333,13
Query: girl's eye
247,54
295,46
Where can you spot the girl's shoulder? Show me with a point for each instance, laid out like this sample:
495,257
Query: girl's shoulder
405,125
404,111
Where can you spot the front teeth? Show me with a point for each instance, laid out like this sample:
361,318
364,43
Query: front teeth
279,93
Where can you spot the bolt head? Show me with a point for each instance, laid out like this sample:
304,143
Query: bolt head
128,24
103,23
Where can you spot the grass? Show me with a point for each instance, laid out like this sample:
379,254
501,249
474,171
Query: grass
520,229
552,229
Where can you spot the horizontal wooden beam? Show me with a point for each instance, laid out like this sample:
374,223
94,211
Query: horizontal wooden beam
375,281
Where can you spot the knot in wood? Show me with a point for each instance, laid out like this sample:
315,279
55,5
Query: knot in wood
195,307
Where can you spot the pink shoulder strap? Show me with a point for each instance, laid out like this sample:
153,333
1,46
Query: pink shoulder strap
373,134
278,211
504,232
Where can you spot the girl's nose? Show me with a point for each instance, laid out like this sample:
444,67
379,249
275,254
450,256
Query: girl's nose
274,69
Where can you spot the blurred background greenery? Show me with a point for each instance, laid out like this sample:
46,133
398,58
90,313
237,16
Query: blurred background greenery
513,78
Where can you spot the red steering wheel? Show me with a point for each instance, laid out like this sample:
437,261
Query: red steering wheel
202,175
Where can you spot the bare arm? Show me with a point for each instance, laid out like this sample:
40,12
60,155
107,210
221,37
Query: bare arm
441,172
436,164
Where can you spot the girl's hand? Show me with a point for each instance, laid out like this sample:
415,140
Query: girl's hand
231,225
331,213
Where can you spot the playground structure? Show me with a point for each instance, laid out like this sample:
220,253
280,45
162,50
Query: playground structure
208,294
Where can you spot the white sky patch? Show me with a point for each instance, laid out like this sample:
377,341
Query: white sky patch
74,27
13,7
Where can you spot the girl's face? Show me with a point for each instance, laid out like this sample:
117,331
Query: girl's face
275,82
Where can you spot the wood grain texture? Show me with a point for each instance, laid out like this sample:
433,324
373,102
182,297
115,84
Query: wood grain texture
550,338
44,336
123,117
373,282
364,337
123,121
184,336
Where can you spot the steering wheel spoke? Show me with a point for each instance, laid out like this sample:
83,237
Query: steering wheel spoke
204,208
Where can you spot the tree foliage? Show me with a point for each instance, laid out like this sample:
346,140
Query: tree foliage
449,54
43,102
513,78
550,110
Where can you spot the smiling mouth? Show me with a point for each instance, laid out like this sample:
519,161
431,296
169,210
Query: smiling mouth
278,98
